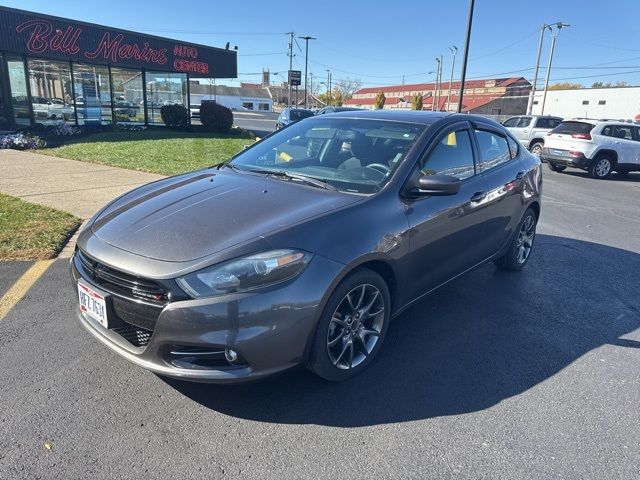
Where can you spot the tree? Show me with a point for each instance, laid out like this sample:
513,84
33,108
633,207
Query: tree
336,98
597,85
416,102
566,86
618,84
380,99
347,87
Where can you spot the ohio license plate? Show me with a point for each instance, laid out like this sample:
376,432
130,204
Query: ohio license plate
556,152
93,304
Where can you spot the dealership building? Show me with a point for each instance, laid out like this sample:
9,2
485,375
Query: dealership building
54,69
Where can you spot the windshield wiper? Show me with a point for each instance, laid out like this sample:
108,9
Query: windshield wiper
315,182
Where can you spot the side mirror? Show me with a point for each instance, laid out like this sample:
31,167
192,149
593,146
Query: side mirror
434,185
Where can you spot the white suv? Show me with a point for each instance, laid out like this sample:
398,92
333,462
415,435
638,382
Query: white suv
597,146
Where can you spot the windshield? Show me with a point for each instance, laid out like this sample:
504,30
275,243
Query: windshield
352,155
300,114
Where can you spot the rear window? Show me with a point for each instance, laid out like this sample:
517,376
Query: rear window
573,127
300,114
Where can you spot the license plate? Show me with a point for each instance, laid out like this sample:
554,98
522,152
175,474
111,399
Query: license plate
93,304
556,152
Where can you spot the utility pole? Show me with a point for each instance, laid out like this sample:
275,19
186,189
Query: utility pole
454,50
306,64
435,103
328,87
463,76
535,76
559,26
290,64
311,88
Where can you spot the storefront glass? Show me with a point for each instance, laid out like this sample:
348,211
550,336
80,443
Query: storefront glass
93,94
51,94
128,100
5,121
164,89
19,96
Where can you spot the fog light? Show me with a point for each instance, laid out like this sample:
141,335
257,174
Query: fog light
230,355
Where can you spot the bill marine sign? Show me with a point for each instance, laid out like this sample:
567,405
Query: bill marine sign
44,36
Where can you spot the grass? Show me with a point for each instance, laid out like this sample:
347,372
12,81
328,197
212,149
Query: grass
167,152
32,232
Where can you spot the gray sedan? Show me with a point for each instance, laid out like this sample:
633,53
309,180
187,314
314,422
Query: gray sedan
303,247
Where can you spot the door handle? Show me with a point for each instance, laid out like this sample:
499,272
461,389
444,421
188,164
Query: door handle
478,196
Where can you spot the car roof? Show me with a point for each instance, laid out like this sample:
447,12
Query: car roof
410,116
597,121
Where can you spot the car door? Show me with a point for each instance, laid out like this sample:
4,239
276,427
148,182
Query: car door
504,175
447,233
624,143
637,147
522,130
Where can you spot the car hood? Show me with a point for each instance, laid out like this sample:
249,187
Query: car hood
191,216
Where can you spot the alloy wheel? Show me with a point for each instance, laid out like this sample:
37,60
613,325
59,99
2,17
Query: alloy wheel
525,239
536,149
355,326
603,167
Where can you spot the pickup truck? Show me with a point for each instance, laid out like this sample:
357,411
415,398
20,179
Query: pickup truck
531,130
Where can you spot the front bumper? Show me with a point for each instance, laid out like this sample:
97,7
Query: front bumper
269,328
562,158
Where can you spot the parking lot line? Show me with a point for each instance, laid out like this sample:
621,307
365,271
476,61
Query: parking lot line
22,286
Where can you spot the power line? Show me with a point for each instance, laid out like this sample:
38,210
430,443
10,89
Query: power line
507,47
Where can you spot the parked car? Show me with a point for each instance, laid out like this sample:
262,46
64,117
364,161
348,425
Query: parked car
597,146
330,109
278,258
532,130
291,115
49,108
124,107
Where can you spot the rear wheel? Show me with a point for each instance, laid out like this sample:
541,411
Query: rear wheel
601,167
352,327
555,168
536,148
521,246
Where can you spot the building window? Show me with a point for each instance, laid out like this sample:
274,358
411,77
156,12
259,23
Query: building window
51,93
19,97
128,100
164,89
602,102
263,106
535,102
585,102
247,105
93,94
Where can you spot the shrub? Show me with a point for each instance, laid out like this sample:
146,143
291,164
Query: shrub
216,117
380,99
416,102
21,141
174,116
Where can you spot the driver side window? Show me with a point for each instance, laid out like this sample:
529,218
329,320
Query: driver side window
452,156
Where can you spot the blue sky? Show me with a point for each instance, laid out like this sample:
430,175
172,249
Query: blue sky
379,42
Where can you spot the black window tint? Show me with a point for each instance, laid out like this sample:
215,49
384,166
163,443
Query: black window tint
573,127
623,132
607,131
637,129
556,122
512,122
493,148
513,147
452,156
543,123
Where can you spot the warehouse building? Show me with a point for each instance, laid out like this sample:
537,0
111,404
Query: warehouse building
615,103
245,97
54,69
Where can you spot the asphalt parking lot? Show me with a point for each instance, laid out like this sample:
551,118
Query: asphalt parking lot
497,375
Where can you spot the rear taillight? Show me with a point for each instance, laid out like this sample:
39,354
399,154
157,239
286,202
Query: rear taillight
581,136
575,153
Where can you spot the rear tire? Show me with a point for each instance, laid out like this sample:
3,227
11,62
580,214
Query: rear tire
601,167
352,327
536,148
555,168
519,251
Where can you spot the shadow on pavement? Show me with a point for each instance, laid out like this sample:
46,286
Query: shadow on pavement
631,177
481,339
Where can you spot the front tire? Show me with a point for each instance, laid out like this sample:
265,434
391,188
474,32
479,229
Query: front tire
601,167
521,246
352,327
536,148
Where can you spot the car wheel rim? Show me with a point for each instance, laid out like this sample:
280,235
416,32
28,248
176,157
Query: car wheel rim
603,167
355,327
536,150
525,239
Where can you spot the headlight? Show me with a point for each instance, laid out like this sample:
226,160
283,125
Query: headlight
246,273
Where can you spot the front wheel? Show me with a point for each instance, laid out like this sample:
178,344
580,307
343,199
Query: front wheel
521,245
536,148
352,327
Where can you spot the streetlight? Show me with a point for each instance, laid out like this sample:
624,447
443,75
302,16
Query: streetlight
454,50
559,26
543,28
463,76
306,64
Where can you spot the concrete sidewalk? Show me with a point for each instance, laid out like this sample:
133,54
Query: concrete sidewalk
79,188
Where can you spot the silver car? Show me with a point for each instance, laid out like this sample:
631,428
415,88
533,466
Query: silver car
530,130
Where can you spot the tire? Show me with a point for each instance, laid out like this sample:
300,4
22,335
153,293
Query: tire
519,251
556,168
340,341
536,148
601,167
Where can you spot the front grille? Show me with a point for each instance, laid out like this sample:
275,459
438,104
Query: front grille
137,314
136,336
119,282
